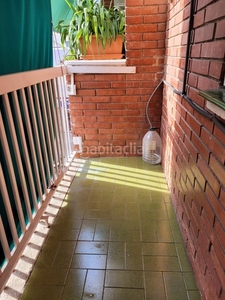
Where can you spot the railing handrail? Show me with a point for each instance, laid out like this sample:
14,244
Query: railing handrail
16,81
36,146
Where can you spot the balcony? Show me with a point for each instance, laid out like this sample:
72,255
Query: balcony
101,228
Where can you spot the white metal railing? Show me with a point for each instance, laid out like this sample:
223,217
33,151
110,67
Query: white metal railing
35,150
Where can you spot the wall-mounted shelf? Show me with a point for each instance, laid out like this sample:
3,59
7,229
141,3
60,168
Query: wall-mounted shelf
98,66
215,101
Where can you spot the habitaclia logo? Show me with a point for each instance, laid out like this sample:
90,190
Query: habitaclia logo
109,148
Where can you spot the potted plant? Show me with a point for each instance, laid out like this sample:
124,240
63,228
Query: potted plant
92,27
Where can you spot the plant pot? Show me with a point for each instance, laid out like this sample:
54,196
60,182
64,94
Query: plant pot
111,51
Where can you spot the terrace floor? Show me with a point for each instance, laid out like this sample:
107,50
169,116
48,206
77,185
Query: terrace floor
115,237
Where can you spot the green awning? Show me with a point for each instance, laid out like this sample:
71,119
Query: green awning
60,11
26,35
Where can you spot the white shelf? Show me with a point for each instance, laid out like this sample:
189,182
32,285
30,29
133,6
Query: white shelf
98,66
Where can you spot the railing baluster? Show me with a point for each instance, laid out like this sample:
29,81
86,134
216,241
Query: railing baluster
4,241
17,154
36,139
32,147
64,112
55,124
26,158
59,119
6,151
43,142
8,209
51,127
47,132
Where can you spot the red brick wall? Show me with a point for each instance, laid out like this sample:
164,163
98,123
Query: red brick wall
109,109
193,146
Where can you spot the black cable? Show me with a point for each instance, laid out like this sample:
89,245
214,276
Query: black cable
149,100
203,112
190,28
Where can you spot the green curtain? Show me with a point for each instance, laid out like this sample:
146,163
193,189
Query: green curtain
26,35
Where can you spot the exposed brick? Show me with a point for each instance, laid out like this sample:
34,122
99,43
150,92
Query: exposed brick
159,18
205,83
95,85
215,146
217,168
86,92
213,49
219,135
74,99
134,3
220,29
201,148
204,33
216,68
220,232
150,9
162,8
98,125
134,19
193,79
109,92
216,206
110,119
193,123
207,123
98,112
208,175
91,99
154,2
199,18
110,106
222,197
215,11
84,106
199,66
193,94
203,3
196,50
84,119
94,137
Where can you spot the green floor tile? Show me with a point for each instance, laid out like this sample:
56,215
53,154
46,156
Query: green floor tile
165,249
43,292
174,285
87,230
48,276
118,235
154,285
48,254
122,294
88,261
74,285
97,214
133,258
125,279
161,263
116,255
190,281
194,295
94,285
64,254
115,238
91,247
64,234
102,230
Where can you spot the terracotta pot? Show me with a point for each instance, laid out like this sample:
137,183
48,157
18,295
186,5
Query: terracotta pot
112,51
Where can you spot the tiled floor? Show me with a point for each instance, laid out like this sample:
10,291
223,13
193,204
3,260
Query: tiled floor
115,238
